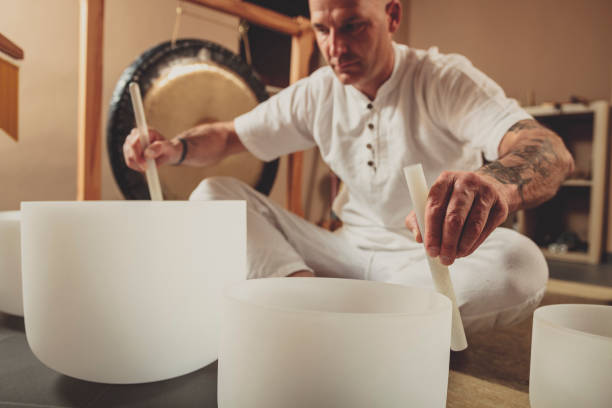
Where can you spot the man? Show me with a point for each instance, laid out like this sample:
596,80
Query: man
375,109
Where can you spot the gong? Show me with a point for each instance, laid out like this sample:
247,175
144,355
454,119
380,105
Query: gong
184,85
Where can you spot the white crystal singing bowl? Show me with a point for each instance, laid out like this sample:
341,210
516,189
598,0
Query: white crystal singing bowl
571,357
322,342
128,292
10,264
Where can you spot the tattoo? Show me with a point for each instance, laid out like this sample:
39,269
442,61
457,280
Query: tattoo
508,175
537,159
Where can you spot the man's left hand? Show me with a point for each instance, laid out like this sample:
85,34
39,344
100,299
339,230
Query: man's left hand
462,209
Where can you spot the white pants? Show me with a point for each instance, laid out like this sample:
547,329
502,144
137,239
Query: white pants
501,283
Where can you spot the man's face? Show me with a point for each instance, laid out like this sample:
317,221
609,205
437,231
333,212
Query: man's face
355,38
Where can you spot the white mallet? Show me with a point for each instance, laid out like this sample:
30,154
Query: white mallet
152,177
439,272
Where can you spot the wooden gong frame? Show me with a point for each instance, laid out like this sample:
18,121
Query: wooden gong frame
89,149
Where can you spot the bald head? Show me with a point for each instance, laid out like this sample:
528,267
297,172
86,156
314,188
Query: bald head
351,3
355,36
366,5
386,13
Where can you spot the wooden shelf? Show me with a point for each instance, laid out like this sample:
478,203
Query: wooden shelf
570,256
565,109
577,183
9,88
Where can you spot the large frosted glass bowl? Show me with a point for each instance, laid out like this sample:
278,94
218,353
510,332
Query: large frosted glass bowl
128,292
571,357
322,342
10,263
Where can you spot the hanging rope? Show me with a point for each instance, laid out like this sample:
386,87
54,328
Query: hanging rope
177,22
243,30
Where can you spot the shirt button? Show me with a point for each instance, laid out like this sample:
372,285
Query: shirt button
370,106
369,146
370,126
370,163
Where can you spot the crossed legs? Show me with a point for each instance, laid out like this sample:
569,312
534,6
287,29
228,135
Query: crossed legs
500,284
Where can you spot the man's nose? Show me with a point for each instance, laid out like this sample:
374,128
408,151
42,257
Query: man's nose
337,44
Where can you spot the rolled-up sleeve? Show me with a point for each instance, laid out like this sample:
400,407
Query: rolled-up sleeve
280,125
471,105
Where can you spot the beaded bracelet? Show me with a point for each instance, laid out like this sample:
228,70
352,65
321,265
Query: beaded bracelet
183,153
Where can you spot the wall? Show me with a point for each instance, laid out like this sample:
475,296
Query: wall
553,48
39,166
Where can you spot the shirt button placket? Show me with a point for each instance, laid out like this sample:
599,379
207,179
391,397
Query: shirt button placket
369,146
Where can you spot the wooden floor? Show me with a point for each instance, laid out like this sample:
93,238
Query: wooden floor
494,370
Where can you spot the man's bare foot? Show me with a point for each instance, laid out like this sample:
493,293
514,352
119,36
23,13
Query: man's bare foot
302,274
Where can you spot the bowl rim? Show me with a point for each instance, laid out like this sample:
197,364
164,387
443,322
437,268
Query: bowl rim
92,203
443,307
562,328
12,215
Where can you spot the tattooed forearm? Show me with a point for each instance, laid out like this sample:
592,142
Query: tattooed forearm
535,159
532,165
508,175
540,157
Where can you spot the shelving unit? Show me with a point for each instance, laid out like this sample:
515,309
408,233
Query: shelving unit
578,208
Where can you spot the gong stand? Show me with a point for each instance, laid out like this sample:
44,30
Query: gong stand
90,85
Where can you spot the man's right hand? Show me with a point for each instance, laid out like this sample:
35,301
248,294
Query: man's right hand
208,145
161,150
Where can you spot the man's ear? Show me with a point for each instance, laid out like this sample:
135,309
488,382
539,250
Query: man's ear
394,14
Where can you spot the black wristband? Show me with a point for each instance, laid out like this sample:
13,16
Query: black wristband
184,152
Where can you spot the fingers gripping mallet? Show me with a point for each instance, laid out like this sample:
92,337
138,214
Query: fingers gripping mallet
439,272
152,177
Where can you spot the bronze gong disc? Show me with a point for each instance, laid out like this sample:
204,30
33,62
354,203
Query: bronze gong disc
184,85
